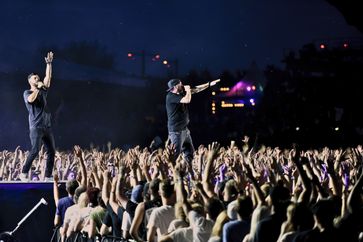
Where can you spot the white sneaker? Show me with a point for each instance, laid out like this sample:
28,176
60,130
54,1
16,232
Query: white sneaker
48,179
23,177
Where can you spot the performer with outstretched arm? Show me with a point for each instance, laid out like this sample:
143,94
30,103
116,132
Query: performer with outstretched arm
39,120
177,100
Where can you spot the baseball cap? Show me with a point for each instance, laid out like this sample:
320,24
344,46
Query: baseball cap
172,83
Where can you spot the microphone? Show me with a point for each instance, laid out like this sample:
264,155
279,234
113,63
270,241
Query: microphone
42,201
42,87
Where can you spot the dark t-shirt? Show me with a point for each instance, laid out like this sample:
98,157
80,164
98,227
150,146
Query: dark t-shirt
39,116
178,115
236,230
314,235
268,229
62,206
114,220
130,208
350,226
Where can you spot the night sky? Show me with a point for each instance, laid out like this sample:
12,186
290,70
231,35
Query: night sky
202,34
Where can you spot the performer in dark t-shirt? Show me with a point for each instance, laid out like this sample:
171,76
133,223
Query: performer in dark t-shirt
39,120
177,100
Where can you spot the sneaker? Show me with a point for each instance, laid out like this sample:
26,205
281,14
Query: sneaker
23,177
48,179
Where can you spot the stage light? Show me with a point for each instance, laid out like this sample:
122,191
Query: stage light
336,129
248,88
157,57
227,105
253,104
239,105
213,112
213,104
253,87
345,45
297,128
214,108
213,93
322,46
165,62
130,55
252,100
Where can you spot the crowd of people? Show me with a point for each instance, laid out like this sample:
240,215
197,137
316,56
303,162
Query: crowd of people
223,194
179,193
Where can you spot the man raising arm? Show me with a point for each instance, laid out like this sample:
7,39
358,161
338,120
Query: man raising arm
39,120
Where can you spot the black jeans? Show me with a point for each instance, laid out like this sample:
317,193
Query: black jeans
37,135
183,143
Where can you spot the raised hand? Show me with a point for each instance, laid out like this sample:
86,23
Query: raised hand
49,58
133,159
249,172
162,166
78,151
212,83
169,154
245,139
178,170
213,150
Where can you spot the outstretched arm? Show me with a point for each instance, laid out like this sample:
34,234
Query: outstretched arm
200,88
79,153
48,70
306,194
120,196
57,218
204,86
112,200
354,201
208,174
181,193
257,189
136,222
105,190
